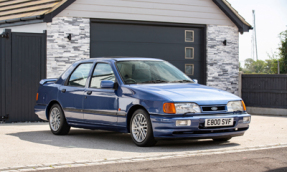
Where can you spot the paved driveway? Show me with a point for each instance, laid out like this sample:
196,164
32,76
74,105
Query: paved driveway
32,143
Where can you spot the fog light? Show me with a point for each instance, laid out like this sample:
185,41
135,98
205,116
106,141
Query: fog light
183,122
246,119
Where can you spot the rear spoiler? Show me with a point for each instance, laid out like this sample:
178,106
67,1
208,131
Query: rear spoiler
44,81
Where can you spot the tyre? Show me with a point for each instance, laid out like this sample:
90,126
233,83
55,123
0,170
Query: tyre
141,129
57,121
222,139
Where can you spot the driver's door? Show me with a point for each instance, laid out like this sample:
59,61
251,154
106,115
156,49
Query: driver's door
100,104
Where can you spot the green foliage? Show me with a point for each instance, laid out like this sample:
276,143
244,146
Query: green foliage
283,52
260,67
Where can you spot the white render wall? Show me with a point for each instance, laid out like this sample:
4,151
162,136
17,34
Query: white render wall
61,52
29,28
175,11
223,61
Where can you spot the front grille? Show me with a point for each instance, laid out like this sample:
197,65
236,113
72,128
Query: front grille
209,131
213,108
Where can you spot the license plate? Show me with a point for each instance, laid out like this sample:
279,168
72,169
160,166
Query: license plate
218,122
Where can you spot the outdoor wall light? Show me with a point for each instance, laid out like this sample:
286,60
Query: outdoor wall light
69,37
4,35
224,42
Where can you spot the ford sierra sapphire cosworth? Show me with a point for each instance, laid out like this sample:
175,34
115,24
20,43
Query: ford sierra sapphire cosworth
148,98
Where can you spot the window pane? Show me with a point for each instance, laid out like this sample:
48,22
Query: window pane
189,35
103,71
189,52
189,69
80,75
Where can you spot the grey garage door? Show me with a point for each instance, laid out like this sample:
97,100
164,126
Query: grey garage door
183,46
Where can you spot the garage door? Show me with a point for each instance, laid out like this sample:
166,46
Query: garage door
183,46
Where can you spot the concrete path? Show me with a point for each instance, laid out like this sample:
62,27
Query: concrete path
30,144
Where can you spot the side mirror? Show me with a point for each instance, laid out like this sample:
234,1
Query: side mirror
195,81
107,84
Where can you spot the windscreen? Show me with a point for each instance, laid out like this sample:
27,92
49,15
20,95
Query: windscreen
133,72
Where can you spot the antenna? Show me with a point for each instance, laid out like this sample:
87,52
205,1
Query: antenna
254,38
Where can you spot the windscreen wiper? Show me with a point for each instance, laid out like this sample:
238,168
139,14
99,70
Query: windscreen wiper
155,81
180,81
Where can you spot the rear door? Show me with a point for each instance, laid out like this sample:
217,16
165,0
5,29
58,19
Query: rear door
71,94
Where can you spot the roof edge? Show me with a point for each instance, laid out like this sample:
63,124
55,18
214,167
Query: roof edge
47,17
239,21
57,9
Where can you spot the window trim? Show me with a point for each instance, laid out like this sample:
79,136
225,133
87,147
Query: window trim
91,76
192,52
68,78
192,35
192,70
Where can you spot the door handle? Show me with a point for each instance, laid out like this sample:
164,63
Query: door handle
63,90
89,92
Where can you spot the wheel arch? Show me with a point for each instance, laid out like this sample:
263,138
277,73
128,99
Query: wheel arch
49,107
130,113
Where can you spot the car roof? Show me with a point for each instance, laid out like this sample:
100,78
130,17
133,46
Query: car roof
118,58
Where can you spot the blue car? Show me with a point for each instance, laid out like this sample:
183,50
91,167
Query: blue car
148,98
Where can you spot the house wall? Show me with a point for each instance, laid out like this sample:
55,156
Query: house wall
31,28
223,61
61,52
179,11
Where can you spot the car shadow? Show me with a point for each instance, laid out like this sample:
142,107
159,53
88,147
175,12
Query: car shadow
98,139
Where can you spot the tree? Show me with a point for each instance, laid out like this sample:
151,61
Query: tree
283,52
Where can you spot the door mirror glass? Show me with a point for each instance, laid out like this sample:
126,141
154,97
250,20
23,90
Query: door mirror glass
107,84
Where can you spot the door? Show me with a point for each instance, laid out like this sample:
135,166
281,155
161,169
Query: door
181,45
23,65
100,105
71,95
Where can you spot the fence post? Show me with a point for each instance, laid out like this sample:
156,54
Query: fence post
278,66
240,84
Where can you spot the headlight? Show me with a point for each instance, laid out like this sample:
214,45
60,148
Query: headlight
181,108
235,106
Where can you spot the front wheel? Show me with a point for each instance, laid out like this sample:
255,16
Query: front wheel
141,129
57,121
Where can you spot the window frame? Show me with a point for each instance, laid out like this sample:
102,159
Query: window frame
68,78
91,76
192,35
192,52
192,69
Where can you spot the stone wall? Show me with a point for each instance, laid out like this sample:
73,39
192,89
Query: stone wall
61,52
223,61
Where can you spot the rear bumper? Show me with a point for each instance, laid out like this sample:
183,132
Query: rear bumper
40,110
165,127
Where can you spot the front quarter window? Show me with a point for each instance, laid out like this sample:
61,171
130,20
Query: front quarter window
133,72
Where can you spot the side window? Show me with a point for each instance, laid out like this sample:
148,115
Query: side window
102,71
80,75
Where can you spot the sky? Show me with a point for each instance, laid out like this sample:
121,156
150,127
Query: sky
271,19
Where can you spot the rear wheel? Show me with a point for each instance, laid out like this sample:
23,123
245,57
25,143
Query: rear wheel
57,121
222,139
141,129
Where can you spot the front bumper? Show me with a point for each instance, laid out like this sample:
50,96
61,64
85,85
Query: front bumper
164,126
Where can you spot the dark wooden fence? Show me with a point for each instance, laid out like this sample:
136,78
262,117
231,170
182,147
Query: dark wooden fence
268,91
